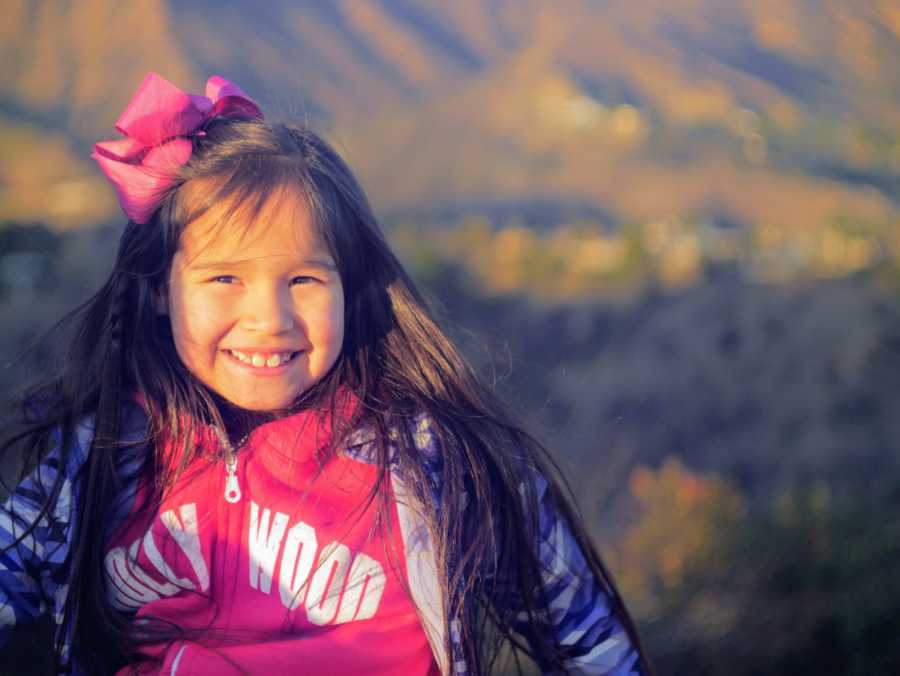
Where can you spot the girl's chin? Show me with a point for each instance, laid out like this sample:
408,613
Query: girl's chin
267,397
264,403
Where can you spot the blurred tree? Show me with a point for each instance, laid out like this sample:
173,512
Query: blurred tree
683,520
27,254
806,585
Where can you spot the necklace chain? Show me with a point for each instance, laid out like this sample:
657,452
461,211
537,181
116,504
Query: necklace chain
227,446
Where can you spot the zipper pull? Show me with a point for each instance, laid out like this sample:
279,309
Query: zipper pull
232,487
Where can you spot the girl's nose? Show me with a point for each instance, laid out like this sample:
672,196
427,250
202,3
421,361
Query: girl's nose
270,311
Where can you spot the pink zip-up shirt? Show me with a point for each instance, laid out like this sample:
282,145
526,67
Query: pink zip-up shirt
294,577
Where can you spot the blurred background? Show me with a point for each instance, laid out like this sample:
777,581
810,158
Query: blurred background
668,232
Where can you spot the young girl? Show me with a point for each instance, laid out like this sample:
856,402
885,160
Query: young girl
264,456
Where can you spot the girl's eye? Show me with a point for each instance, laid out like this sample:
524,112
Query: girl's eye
225,279
303,279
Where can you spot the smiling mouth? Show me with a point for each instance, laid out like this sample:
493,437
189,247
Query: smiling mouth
262,361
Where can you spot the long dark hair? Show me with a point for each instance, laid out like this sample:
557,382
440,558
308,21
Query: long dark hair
395,359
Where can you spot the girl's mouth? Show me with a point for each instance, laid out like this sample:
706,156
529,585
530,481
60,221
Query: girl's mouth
270,360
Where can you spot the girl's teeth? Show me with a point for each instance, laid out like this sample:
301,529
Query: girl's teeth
259,360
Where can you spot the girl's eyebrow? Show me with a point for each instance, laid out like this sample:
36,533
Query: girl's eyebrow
211,266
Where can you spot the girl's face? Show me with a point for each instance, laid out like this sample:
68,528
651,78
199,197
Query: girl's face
257,309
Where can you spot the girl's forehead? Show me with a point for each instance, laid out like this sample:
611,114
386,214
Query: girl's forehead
280,217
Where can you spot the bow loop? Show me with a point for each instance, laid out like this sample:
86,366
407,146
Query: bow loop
235,106
217,87
158,124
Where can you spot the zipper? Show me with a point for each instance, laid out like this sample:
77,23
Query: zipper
232,486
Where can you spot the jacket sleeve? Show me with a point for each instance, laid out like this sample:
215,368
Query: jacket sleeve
32,565
581,620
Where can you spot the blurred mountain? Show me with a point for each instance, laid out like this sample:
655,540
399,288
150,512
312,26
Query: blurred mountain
747,112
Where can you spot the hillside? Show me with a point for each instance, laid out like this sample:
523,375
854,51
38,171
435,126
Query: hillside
748,113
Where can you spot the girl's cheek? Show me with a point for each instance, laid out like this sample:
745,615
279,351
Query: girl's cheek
323,310
195,320
207,307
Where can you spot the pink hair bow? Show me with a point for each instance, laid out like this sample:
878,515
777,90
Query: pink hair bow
158,124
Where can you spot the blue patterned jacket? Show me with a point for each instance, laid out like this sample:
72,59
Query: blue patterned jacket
34,576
